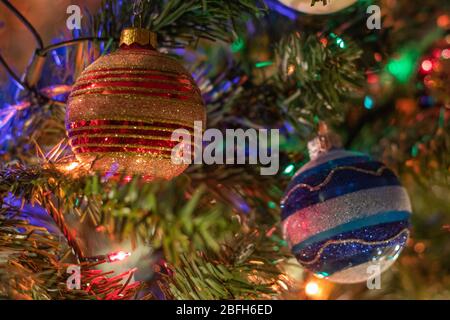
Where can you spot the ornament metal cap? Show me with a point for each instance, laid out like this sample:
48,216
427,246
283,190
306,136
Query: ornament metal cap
323,142
140,36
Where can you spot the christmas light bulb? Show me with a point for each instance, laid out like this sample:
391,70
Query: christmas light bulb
312,288
118,256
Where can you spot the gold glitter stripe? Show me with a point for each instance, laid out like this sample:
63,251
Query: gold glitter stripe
111,135
359,241
192,95
378,173
131,128
143,99
154,120
102,71
115,154
120,146
87,128
113,79
134,127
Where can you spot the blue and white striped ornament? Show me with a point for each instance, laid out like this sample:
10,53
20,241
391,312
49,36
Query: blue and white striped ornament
344,212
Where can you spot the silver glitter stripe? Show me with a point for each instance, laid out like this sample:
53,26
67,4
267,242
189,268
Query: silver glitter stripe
334,212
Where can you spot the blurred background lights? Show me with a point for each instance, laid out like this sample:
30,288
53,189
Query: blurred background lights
368,102
445,54
427,65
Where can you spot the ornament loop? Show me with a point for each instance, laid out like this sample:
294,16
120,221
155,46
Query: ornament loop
138,9
325,141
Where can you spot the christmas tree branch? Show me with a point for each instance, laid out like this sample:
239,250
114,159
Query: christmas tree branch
178,22
155,207
322,73
247,268
171,215
32,266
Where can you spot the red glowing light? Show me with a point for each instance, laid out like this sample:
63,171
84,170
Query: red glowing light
378,57
100,229
446,53
118,256
427,65
443,21
372,78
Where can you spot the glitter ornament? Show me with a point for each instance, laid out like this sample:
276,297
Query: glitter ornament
343,213
124,107
318,6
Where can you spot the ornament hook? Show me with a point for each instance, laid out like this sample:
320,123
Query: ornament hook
323,142
138,9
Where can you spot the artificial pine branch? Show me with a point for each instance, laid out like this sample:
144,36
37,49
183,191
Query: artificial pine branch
169,215
179,22
182,233
32,266
246,268
322,73
28,121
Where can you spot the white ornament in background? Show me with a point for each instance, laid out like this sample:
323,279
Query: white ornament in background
319,7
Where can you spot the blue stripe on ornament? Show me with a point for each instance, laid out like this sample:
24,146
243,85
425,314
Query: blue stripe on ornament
348,252
326,167
379,218
341,182
363,254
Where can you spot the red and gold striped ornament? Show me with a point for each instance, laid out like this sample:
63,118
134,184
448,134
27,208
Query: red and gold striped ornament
125,106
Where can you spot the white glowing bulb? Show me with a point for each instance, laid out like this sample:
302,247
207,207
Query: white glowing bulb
119,256
312,288
72,166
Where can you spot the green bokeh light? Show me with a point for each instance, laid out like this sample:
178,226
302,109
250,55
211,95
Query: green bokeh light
263,64
403,67
237,45
289,169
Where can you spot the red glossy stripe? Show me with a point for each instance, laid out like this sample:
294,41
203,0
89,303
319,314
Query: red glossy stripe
123,140
136,84
181,79
122,149
141,132
127,123
140,93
